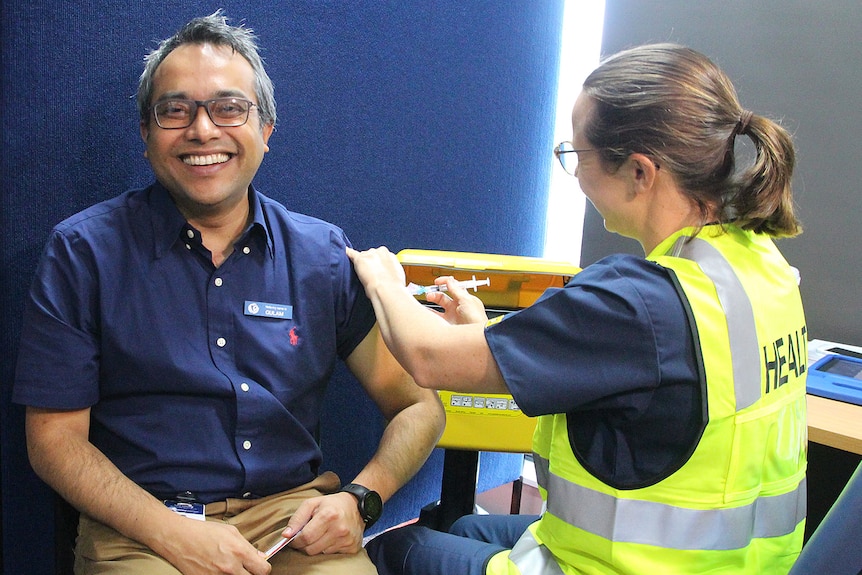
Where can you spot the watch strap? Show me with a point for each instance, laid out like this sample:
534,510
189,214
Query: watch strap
369,502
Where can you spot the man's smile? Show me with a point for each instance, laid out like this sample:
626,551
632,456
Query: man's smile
206,160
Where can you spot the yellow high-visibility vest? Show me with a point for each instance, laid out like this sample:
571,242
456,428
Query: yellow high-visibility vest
738,504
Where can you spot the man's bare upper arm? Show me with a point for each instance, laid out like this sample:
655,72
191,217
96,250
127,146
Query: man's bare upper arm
44,427
382,377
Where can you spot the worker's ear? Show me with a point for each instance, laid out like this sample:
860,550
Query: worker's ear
643,171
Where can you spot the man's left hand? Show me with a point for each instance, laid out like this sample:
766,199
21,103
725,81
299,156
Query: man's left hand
329,524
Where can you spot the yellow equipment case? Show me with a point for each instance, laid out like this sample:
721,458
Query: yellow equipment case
481,422
488,422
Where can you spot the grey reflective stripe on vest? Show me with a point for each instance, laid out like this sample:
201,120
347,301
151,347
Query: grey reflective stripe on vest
669,526
543,471
532,558
744,347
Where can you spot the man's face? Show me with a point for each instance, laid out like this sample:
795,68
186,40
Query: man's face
206,168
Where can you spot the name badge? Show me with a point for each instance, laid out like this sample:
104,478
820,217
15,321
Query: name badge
273,310
195,511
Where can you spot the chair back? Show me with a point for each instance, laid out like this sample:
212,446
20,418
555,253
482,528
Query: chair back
834,546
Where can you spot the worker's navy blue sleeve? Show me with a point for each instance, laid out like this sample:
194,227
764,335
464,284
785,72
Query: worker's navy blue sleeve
606,341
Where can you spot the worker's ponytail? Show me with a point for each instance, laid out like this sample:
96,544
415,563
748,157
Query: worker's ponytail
763,202
675,105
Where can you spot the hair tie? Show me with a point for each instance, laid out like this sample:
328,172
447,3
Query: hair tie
744,120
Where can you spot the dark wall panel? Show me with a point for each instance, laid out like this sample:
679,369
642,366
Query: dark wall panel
421,125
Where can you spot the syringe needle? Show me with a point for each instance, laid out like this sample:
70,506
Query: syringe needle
466,284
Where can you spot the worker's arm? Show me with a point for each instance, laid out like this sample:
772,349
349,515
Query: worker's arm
441,351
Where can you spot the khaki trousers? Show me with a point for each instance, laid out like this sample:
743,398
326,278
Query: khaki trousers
100,550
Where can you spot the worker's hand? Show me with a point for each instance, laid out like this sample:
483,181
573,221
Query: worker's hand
210,547
329,524
377,266
459,305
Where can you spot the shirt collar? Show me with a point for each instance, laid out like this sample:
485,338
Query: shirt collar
259,223
169,225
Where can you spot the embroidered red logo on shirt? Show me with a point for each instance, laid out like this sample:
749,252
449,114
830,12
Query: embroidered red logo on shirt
294,339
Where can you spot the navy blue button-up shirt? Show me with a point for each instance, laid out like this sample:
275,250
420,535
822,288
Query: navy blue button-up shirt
199,378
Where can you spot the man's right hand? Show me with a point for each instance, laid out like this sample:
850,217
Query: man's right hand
62,455
211,547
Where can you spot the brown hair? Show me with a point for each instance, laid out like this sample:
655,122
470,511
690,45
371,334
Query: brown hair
674,105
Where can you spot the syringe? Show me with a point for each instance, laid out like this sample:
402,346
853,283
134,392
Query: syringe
466,284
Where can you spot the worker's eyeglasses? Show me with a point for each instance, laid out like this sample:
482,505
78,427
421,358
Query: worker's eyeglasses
224,112
568,156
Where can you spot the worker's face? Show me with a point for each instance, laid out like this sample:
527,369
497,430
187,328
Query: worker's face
206,168
609,192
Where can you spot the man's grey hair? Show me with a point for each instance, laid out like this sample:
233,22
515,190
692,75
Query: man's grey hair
215,30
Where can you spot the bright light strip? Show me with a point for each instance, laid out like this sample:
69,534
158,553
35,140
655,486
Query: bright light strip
583,21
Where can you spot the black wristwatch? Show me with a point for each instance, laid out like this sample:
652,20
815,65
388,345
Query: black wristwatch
369,502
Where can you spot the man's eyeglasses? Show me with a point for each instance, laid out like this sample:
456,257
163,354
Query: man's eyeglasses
224,112
568,156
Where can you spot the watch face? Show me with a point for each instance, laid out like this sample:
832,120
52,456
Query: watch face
369,502
372,506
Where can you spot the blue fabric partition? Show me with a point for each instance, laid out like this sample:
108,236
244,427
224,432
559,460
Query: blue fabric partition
416,125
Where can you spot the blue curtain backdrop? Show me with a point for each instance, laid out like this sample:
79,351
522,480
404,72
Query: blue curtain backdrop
416,125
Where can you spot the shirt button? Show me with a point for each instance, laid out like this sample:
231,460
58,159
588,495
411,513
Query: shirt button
244,387
246,445
246,250
246,495
188,247
190,234
218,282
221,342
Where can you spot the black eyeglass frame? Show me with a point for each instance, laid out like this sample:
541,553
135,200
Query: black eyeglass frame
205,104
559,153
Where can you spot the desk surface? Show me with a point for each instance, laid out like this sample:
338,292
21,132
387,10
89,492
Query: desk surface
834,423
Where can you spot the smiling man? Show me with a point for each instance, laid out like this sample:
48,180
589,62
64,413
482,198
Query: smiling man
178,340
206,161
